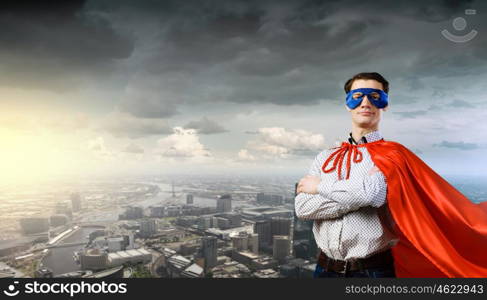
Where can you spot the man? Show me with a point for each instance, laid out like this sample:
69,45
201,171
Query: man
379,211
351,222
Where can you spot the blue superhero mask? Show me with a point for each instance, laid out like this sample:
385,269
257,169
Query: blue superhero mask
375,96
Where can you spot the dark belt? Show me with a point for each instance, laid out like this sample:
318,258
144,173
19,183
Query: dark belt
379,260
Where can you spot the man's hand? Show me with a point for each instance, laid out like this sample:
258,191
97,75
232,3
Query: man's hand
373,170
308,184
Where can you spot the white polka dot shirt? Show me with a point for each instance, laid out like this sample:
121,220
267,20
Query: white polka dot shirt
351,218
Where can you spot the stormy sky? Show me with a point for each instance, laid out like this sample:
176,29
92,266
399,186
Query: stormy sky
247,86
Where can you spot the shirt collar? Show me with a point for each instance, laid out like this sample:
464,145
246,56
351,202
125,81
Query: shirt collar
369,137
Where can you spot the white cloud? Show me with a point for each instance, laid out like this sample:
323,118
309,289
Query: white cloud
182,144
98,148
133,148
245,155
278,142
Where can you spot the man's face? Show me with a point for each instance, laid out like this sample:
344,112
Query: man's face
366,115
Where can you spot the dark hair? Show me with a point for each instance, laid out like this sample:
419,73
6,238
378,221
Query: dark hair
373,75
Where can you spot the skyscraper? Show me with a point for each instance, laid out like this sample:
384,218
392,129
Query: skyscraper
246,242
281,247
209,251
189,199
148,227
224,203
281,226
269,199
263,229
62,207
33,225
75,202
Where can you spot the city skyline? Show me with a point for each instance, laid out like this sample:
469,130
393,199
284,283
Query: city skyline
101,88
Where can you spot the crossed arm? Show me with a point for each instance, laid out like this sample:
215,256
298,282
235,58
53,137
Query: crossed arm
332,198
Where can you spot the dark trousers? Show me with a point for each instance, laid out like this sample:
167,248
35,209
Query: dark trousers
370,273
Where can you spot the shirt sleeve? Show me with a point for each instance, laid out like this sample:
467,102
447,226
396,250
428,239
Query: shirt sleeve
338,197
369,190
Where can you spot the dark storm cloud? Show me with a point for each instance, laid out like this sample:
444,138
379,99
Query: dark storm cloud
55,44
206,126
281,52
126,125
458,145
297,52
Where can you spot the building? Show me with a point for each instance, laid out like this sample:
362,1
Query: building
246,241
281,226
93,259
189,248
6,274
173,211
234,219
209,251
99,242
224,203
148,227
307,270
278,212
240,241
58,220
293,269
220,260
64,208
75,202
253,242
176,265
115,244
263,262
43,272
266,273
214,222
95,234
187,221
14,246
189,199
193,271
132,212
156,211
266,212
133,256
266,199
223,223
244,257
263,229
204,222
231,269
281,247
34,225
170,235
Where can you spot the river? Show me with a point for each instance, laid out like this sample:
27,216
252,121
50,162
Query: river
60,260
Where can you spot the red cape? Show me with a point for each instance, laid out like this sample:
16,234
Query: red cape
442,233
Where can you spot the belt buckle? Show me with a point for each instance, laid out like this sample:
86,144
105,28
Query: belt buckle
344,271
327,265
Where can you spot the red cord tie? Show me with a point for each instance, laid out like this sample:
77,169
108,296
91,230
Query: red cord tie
338,157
